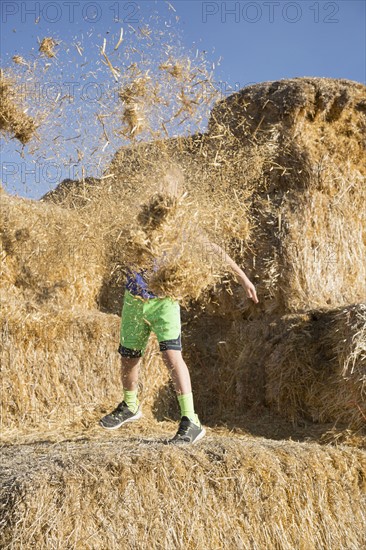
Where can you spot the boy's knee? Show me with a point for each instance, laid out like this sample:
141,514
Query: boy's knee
172,358
129,362
129,357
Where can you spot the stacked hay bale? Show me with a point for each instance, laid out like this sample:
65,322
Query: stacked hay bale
310,244
317,366
60,371
60,365
305,252
301,351
244,493
51,257
57,369
51,273
272,181
309,367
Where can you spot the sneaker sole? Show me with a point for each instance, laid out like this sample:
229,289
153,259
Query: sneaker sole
200,436
137,416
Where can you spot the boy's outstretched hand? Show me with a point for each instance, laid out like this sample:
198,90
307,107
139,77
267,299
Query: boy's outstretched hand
249,288
241,277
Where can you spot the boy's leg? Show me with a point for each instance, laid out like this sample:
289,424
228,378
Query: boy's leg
134,334
179,371
164,317
128,410
190,429
130,367
182,383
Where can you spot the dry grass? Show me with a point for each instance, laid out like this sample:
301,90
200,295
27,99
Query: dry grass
308,367
47,46
135,95
14,121
167,230
241,494
50,257
19,60
134,118
156,98
209,206
177,68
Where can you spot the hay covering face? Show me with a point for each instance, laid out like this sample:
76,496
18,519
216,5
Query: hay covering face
169,242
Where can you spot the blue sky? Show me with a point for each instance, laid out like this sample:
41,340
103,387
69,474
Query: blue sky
254,41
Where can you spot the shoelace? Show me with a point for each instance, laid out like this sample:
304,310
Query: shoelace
118,409
183,427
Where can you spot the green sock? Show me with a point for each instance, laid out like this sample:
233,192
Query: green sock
130,398
187,408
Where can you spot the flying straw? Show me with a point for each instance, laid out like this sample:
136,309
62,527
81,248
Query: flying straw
119,40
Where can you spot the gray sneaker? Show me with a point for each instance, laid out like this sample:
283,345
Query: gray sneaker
121,415
188,433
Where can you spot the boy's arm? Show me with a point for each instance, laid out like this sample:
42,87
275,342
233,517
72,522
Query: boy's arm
240,275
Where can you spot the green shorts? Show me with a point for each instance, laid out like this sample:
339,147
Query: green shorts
140,317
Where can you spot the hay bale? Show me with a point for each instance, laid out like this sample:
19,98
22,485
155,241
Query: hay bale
61,370
244,493
72,194
13,117
304,252
308,368
51,255
317,366
322,115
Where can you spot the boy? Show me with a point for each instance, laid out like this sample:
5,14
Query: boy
144,312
